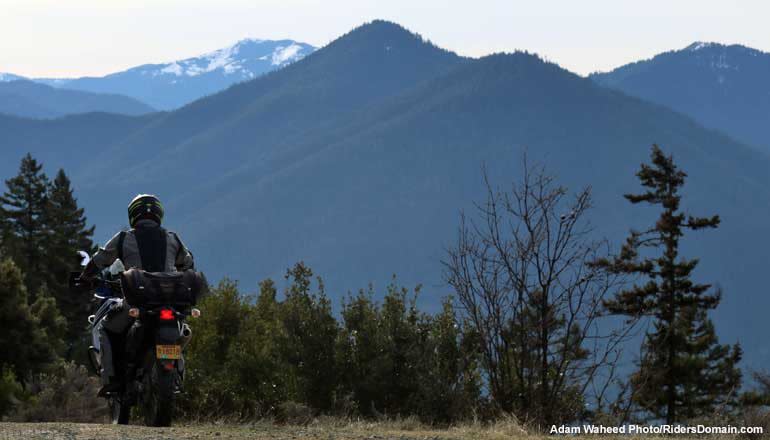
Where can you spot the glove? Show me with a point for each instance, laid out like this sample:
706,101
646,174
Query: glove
89,272
86,282
79,284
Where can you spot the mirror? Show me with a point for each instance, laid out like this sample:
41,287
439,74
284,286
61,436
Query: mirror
84,258
117,267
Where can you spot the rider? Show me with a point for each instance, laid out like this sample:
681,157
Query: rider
147,246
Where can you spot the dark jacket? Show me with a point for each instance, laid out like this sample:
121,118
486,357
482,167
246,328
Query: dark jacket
148,246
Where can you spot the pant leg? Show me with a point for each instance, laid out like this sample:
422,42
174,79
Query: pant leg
105,354
134,342
112,330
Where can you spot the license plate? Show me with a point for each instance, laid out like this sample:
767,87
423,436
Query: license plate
168,351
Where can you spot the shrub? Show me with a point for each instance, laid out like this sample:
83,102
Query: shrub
10,391
66,395
293,413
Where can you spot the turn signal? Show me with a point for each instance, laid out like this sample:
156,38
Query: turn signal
195,313
166,314
133,312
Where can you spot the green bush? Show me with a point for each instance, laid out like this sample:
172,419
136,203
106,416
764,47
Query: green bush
293,413
67,394
253,357
308,334
11,391
396,361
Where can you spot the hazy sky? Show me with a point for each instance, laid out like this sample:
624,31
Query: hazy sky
66,38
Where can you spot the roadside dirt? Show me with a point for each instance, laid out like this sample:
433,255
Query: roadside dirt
68,431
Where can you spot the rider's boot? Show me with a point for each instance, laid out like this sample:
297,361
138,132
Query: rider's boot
113,386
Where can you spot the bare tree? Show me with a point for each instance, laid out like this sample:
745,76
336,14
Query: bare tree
522,274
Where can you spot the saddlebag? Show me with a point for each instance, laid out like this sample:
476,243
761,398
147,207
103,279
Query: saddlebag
142,288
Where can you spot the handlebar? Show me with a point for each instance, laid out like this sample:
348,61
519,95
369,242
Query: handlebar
78,285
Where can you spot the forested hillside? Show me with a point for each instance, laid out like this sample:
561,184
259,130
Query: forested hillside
724,87
33,100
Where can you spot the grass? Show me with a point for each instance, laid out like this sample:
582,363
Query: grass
323,428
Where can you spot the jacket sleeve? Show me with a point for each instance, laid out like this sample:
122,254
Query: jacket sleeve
104,257
184,258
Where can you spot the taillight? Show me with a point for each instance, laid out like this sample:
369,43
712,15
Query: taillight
166,315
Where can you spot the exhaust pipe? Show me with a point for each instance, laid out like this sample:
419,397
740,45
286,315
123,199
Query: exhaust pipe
186,335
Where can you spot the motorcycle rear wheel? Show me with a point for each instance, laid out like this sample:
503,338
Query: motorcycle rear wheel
158,396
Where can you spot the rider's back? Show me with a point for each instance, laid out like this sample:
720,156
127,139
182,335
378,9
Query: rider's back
147,246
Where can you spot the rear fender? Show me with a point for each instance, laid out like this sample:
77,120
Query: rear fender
168,333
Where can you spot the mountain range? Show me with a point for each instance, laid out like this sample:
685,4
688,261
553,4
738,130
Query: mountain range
725,87
171,85
34,100
359,158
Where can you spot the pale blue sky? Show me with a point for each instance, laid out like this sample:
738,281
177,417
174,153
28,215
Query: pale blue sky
66,38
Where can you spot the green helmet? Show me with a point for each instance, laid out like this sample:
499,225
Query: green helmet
144,206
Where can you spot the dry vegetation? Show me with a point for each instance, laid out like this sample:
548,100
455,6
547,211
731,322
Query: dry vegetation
323,428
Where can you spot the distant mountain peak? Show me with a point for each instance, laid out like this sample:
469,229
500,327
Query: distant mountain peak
7,77
709,47
384,29
700,45
386,38
170,85
721,86
386,24
235,59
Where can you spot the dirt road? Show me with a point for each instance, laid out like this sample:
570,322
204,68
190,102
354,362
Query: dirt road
68,431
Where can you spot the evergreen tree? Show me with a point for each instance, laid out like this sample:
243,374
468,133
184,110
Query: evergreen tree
5,233
24,206
50,321
450,379
404,330
234,362
310,332
24,343
395,360
68,233
683,372
362,359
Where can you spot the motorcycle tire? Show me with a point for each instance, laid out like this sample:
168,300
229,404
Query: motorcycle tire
158,395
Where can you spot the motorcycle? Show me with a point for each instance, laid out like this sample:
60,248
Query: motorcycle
159,305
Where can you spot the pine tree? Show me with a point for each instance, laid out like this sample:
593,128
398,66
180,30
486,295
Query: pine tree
449,376
310,332
24,345
383,353
50,320
683,372
23,207
362,359
66,225
5,233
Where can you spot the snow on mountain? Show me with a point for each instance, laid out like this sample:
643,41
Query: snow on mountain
246,59
716,56
167,86
698,45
